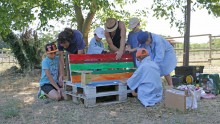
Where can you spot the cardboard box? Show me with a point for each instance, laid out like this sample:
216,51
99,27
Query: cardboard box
181,100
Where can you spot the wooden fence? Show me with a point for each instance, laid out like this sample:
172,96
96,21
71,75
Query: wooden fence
207,55
7,57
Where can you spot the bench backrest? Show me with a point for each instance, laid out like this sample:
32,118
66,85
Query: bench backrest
103,66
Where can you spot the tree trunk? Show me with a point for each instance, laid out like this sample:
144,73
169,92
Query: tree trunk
79,17
83,25
87,25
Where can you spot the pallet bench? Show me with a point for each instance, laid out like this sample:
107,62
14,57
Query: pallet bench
98,93
95,78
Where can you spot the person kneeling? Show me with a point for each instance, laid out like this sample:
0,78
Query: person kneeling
49,76
146,79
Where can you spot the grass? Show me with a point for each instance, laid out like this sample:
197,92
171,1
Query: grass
19,104
10,108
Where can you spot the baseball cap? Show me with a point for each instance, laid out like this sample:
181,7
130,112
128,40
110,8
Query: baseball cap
133,23
99,32
111,24
142,37
142,52
51,48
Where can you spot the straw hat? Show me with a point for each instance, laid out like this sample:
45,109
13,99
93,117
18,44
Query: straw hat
133,23
111,24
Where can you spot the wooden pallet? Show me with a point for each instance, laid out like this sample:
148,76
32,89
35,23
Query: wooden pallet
97,93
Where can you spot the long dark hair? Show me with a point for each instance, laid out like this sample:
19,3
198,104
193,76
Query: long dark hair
66,35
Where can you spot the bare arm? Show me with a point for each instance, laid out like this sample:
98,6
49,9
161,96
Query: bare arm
123,36
61,68
80,52
122,40
113,48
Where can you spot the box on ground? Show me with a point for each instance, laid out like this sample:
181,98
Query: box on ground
181,100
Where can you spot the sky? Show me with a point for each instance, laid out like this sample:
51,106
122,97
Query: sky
201,23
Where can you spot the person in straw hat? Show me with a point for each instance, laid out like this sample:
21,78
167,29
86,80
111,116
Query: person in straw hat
146,79
132,42
115,33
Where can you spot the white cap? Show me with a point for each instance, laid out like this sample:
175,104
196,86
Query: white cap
99,32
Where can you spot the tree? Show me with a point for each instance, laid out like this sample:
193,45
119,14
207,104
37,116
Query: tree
19,14
83,14
213,6
168,9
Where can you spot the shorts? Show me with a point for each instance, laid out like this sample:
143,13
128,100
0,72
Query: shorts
48,87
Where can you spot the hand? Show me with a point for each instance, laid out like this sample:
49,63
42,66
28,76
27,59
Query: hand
128,48
104,52
119,55
61,83
59,91
61,78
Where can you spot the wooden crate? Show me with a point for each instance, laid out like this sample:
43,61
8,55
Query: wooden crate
97,93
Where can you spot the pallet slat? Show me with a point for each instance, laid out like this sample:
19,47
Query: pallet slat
107,65
106,71
94,58
91,97
100,77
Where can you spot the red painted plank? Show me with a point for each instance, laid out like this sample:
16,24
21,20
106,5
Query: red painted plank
93,58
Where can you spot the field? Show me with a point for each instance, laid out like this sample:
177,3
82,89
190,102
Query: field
19,105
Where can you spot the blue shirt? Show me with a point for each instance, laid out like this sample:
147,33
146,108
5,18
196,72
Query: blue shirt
147,79
133,42
53,66
76,44
95,47
162,53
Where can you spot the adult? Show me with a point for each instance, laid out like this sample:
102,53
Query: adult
96,45
146,79
115,33
72,41
132,42
161,52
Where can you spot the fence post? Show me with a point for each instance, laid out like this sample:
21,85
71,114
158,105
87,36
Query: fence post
210,49
2,56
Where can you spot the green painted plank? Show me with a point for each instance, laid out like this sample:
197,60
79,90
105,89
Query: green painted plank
91,66
107,71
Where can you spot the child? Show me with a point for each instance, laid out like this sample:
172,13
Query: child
49,75
96,46
146,79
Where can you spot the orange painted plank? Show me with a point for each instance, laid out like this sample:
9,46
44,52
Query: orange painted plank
100,77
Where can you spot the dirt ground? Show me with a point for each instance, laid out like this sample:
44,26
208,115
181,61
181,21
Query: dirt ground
19,105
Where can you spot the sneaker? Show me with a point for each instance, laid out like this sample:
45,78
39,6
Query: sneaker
41,94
